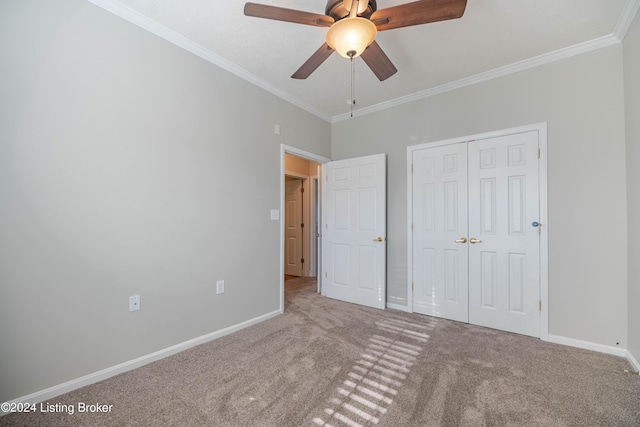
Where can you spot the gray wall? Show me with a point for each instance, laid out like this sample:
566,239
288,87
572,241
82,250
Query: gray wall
632,104
582,100
128,165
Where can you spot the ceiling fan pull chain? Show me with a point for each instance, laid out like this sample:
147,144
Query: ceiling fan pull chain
353,85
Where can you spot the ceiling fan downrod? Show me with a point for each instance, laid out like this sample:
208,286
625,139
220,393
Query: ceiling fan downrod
339,9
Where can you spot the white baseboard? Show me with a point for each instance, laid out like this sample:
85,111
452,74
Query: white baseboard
398,307
51,392
632,360
600,348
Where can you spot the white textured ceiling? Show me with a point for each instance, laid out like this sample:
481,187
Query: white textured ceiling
493,37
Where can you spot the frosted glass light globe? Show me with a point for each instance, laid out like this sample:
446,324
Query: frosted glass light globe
351,36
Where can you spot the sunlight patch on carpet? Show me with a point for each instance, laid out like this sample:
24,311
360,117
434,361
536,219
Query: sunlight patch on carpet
375,379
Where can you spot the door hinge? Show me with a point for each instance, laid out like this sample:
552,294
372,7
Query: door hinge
538,153
539,305
302,225
411,286
412,227
302,189
412,168
302,261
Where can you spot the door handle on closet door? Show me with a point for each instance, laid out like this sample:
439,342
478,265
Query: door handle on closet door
461,240
473,240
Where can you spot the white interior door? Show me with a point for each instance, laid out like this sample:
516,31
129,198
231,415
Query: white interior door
440,247
476,242
504,263
354,230
293,240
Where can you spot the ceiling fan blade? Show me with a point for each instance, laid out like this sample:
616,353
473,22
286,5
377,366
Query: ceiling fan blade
313,62
287,15
418,12
378,61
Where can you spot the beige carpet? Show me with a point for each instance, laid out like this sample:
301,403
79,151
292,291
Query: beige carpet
326,362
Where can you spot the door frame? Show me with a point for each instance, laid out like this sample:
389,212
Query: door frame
541,128
314,217
287,149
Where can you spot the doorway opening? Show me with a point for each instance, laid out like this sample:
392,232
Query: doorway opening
300,216
300,202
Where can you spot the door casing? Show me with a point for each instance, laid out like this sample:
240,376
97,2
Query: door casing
541,128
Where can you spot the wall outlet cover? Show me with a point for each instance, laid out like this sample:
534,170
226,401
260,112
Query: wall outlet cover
134,303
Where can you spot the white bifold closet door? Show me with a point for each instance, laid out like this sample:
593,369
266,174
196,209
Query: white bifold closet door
476,240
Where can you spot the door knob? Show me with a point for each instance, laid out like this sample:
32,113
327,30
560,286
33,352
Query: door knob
474,240
461,240
379,239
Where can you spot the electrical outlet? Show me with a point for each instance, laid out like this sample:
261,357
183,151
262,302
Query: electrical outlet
220,287
134,303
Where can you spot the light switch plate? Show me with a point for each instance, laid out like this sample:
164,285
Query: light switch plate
275,214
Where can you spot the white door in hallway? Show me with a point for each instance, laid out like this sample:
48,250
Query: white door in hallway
504,206
354,230
440,247
293,237
476,243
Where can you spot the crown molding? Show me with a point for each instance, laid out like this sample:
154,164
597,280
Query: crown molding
181,41
626,18
526,64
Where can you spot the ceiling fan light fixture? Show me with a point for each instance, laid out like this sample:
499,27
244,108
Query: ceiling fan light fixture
351,36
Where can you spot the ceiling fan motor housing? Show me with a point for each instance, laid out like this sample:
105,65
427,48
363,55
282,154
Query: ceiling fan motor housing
337,10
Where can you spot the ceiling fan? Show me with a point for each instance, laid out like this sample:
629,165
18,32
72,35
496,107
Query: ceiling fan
353,26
